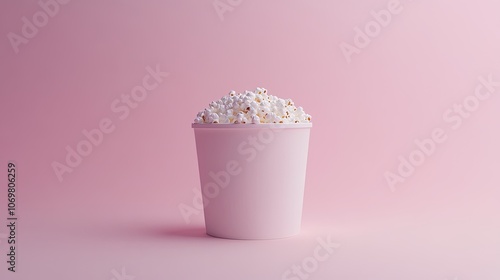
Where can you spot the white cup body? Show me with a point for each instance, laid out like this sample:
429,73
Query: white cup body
252,178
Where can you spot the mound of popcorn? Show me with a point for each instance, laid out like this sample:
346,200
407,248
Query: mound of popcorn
252,107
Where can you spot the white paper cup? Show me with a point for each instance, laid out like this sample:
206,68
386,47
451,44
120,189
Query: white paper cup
252,178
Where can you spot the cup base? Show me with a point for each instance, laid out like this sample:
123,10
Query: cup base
221,236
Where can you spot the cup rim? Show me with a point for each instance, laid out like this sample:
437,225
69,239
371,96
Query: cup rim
251,126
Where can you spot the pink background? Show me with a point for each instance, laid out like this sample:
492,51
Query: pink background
119,207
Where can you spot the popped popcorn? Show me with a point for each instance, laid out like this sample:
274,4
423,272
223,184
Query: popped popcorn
252,107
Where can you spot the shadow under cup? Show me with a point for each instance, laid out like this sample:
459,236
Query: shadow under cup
252,178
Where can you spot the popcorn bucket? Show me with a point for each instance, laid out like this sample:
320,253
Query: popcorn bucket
252,178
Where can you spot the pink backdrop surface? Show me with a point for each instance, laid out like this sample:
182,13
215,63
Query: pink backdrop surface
375,75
